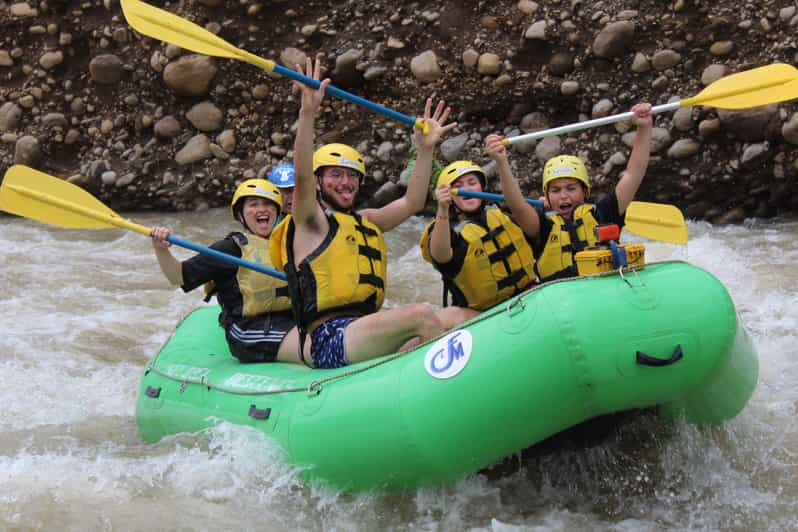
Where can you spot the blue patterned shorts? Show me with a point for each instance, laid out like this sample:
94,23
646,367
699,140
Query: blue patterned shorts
327,343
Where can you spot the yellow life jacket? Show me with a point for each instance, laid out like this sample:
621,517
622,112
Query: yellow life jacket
347,272
565,240
260,293
498,264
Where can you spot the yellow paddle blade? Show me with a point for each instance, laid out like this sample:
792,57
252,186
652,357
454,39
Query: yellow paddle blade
165,26
759,86
33,194
656,221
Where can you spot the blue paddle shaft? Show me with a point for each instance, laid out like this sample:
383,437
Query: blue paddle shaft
493,197
314,83
225,257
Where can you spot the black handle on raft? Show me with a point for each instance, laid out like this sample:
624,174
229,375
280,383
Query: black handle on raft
153,393
259,413
647,360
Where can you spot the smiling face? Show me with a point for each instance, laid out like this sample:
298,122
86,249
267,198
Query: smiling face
259,215
339,186
469,181
565,195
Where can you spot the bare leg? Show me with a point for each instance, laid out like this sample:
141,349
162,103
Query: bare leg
289,348
452,316
385,332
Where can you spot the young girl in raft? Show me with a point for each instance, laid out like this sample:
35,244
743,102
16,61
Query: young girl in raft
568,226
483,256
256,310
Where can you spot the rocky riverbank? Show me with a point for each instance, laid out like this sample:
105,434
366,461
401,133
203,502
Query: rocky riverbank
146,125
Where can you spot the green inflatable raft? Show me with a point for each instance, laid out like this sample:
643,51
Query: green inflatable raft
555,356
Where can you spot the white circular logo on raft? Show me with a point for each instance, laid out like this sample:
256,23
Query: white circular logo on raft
448,356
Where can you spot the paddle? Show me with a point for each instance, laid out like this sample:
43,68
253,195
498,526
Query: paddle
759,86
165,26
44,198
655,221
489,196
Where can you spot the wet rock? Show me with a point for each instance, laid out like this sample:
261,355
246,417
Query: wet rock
190,75
106,69
755,124
27,151
536,31
10,115
50,60
660,139
732,216
452,148
5,59
561,63
527,7
108,178
489,64
196,149
425,67
345,73
709,127
789,130
713,72
167,127
205,116
470,58
51,120
640,63
602,108
683,148
547,148
721,48
388,192
227,140
614,39
569,88
291,57
665,59
23,10
683,119
754,152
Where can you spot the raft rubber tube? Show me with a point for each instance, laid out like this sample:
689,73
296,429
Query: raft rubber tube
548,359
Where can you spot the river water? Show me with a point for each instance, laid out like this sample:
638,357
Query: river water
83,310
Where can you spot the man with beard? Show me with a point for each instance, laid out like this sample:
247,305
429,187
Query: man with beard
335,256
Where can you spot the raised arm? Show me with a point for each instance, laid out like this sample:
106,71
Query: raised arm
630,181
523,213
170,266
306,209
440,238
415,196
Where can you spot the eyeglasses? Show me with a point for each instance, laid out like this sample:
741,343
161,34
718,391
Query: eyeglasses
338,174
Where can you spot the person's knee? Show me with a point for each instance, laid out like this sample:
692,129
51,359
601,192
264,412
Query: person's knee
424,318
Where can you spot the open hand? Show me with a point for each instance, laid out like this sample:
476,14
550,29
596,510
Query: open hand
435,122
311,98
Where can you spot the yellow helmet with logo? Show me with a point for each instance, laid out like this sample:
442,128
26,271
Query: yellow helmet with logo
451,173
337,154
565,166
259,188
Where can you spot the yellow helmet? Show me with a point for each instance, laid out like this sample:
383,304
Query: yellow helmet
337,154
259,188
565,166
451,173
